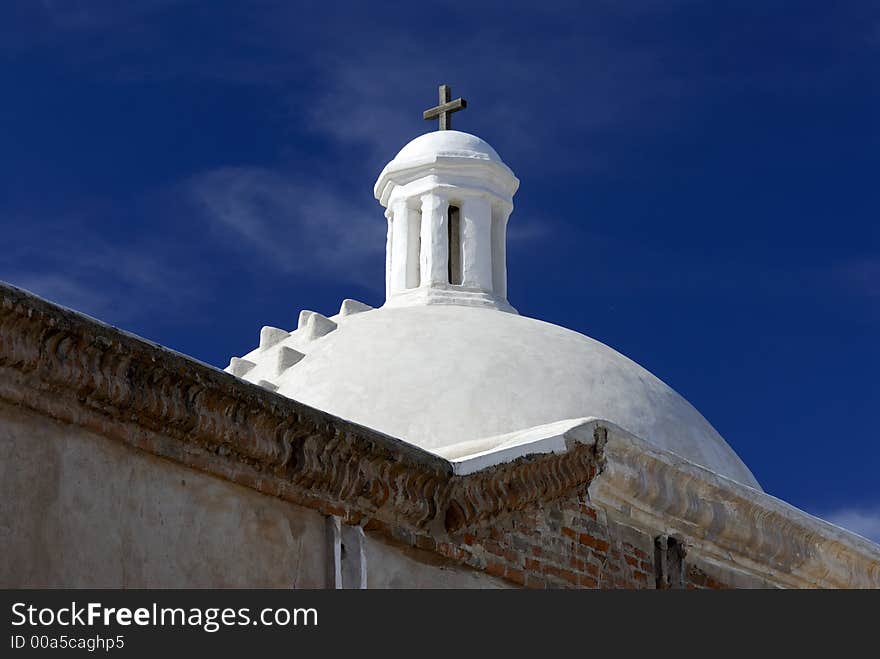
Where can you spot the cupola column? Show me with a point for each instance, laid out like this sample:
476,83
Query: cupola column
388,217
476,240
435,239
404,266
500,216
399,235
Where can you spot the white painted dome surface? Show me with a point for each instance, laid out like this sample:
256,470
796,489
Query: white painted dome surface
447,143
439,375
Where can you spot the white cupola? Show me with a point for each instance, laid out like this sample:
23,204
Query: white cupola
448,197
438,366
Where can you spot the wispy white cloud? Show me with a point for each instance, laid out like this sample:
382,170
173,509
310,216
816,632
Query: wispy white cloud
96,14
245,218
71,262
372,96
361,96
861,277
527,231
862,520
62,290
293,226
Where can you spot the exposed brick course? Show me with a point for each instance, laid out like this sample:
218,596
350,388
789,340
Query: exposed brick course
697,579
566,544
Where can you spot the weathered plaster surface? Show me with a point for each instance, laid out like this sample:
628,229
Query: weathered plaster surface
394,565
77,510
79,383
726,523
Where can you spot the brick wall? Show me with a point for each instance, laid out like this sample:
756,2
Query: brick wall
569,544
697,579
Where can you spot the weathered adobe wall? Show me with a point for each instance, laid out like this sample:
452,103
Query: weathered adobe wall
78,510
117,453
587,517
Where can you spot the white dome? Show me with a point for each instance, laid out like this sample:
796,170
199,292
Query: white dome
448,143
442,366
439,375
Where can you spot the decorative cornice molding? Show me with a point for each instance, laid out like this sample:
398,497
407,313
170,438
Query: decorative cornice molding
77,370
526,481
728,523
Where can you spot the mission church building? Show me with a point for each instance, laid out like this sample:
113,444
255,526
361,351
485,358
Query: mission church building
441,440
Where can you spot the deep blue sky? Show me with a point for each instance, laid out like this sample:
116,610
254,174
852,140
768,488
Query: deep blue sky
699,185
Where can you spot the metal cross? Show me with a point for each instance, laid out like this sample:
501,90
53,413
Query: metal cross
446,108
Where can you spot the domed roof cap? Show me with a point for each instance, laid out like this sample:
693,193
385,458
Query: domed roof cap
449,144
444,148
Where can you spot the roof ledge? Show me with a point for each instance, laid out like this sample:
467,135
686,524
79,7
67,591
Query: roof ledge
727,522
557,437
